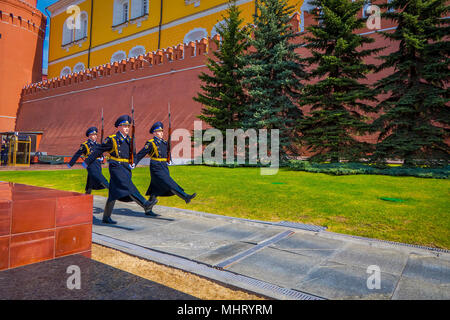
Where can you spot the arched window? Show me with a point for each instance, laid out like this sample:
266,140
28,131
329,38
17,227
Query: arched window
78,67
68,31
137,51
365,14
139,8
65,71
120,14
81,32
118,56
214,29
74,30
195,34
391,9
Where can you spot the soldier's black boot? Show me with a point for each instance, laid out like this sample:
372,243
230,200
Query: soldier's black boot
183,195
146,204
108,211
150,212
88,191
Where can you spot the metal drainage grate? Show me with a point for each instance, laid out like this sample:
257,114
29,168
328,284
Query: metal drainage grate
238,280
308,227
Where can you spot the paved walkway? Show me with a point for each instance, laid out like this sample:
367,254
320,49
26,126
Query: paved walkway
318,263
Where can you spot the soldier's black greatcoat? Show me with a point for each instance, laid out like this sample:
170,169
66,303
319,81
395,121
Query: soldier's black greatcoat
161,183
120,184
95,178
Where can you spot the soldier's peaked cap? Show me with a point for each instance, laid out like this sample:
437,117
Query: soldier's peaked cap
123,120
156,126
91,130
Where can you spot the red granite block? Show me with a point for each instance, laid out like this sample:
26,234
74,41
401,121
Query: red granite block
5,191
32,247
74,210
4,252
73,239
5,217
87,254
33,215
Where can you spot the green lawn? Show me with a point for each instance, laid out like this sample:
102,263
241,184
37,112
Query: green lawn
345,204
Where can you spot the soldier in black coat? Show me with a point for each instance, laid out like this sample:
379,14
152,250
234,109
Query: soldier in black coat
95,178
161,184
121,187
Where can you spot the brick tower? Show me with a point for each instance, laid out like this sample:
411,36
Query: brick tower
22,32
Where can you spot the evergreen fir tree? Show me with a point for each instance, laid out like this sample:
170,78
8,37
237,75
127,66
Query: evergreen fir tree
415,120
338,99
272,74
222,94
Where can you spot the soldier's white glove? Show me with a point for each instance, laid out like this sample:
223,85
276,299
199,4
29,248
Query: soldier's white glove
132,166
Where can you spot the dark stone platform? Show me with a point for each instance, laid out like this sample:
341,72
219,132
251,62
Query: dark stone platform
48,280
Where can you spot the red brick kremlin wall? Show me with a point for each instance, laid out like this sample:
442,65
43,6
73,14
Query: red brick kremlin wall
64,108
22,30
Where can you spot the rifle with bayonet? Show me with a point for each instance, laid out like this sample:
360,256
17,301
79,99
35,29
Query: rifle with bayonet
169,157
101,136
131,158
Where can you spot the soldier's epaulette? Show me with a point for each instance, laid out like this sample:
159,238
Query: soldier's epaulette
151,140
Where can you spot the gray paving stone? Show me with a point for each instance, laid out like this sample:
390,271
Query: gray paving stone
224,252
309,245
191,247
262,235
428,269
196,225
275,266
340,281
390,261
234,231
412,289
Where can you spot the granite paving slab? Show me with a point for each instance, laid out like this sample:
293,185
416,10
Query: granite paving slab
224,252
413,289
340,281
48,280
428,269
310,245
390,261
275,266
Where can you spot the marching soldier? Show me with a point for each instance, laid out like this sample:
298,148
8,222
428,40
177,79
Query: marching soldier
95,178
161,184
121,187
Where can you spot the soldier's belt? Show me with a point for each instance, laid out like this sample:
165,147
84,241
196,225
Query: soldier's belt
118,159
159,159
